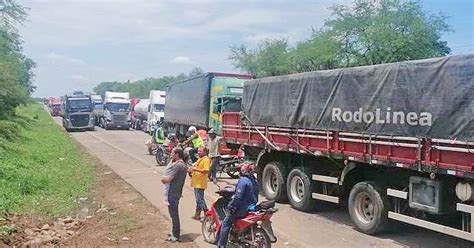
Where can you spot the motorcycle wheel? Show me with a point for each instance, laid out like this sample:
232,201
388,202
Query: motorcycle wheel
209,230
160,157
261,239
234,174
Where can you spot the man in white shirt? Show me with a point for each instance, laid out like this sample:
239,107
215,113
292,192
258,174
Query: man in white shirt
213,144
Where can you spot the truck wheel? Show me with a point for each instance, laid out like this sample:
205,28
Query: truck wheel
273,182
299,188
368,207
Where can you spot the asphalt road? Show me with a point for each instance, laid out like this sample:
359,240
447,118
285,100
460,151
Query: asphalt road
125,153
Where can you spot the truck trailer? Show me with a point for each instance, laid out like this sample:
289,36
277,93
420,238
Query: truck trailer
116,112
200,101
98,104
156,110
140,116
77,112
393,141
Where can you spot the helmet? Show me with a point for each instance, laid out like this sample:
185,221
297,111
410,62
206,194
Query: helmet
171,136
211,131
247,169
192,129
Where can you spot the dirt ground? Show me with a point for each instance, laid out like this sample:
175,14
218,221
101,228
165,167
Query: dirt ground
115,215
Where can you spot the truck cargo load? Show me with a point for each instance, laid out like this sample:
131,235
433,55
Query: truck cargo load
200,100
426,98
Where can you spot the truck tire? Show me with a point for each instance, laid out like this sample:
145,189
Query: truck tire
299,189
274,182
368,207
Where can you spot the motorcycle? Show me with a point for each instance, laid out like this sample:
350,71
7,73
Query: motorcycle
151,146
163,152
254,230
230,164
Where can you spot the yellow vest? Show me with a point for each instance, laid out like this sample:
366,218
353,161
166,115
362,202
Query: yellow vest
197,142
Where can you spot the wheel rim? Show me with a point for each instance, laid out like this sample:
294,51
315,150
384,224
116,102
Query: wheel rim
365,208
297,189
209,229
260,240
271,182
160,158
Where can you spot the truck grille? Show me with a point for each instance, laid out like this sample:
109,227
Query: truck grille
80,120
119,119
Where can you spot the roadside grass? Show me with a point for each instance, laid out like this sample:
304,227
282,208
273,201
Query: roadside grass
42,171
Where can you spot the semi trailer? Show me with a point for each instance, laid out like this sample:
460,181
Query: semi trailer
392,142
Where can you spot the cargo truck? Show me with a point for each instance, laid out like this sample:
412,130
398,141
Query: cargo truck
54,105
140,115
77,112
116,112
98,108
394,141
133,103
156,110
200,101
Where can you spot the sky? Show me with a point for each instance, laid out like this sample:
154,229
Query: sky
80,43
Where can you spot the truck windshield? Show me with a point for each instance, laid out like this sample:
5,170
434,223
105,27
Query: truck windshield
232,105
118,107
79,105
98,106
158,108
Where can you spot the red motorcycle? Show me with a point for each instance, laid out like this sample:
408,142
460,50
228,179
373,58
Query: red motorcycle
254,230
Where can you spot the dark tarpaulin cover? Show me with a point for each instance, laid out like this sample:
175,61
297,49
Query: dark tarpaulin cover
187,101
425,98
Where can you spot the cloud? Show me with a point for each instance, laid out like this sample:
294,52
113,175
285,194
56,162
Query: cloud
81,79
60,58
182,60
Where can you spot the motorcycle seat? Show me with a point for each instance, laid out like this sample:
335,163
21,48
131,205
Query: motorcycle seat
266,205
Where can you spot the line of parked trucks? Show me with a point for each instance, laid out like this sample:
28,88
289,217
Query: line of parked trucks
392,142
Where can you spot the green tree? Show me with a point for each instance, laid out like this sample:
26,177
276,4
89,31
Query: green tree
383,31
270,58
16,75
141,88
320,52
367,32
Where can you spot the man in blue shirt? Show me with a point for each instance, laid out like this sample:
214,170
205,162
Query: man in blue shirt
246,195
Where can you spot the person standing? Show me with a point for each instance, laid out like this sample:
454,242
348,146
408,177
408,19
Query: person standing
213,145
199,181
176,177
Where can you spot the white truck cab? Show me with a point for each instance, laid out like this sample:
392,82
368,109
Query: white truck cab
116,110
156,109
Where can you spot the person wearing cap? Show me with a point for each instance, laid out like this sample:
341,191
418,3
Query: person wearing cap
196,142
245,197
213,145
